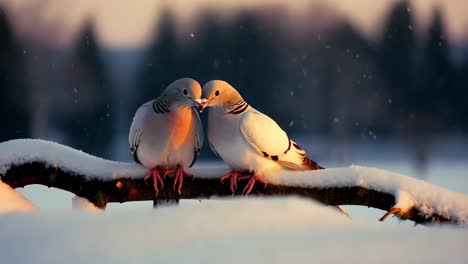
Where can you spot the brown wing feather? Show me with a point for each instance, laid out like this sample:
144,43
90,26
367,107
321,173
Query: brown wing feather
306,162
312,165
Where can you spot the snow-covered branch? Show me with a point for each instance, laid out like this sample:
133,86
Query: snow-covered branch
26,161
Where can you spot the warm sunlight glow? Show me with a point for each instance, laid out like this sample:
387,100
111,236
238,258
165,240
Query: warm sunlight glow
129,23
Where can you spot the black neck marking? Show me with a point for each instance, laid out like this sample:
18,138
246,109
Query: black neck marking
160,107
239,107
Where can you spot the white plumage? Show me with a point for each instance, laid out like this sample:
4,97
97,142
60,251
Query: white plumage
166,134
246,139
165,140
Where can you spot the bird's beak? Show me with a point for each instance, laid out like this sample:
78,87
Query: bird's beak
201,103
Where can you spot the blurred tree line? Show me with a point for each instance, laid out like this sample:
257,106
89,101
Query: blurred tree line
331,81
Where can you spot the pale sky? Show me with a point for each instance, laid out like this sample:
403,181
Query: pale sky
123,23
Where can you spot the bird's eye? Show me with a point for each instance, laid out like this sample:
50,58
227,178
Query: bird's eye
185,91
217,92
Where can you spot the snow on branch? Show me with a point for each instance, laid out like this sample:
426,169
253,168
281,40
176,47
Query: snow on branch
28,161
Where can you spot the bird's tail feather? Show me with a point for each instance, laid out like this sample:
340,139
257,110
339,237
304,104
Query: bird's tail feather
306,164
310,164
292,165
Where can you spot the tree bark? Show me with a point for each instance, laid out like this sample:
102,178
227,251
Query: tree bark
101,192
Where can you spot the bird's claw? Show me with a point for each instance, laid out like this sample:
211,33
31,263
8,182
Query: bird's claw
233,177
252,179
179,179
149,175
154,173
168,172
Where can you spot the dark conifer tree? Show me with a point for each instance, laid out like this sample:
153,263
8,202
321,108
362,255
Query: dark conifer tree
459,100
89,126
207,57
13,88
161,63
256,61
437,91
355,100
396,52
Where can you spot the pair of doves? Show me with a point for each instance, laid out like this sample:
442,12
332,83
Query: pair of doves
166,135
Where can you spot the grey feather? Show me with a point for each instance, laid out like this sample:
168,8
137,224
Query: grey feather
199,137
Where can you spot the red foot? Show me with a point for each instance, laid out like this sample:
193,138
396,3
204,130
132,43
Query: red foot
154,173
179,178
168,172
252,178
233,175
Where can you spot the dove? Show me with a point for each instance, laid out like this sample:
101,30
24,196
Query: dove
166,134
250,142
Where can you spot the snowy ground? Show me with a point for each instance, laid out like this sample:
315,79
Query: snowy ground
260,230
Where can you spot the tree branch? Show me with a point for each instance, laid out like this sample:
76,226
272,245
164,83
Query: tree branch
102,191
27,161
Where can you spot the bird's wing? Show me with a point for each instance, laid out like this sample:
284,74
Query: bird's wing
199,137
136,129
271,142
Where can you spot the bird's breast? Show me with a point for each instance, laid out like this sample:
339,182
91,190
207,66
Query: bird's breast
182,127
221,127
